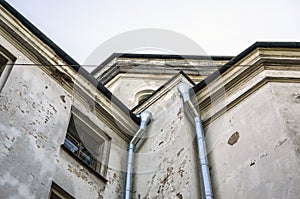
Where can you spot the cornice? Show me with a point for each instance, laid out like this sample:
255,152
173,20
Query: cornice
157,64
246,77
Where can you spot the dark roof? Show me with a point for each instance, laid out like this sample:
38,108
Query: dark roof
243,54
67,59
159,56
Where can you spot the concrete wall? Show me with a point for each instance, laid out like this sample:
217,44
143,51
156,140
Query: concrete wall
253,151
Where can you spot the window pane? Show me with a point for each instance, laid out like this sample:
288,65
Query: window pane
90,143
70,145
84,143
87,157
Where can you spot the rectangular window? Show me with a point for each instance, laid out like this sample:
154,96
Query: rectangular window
57,192
90,146
75,144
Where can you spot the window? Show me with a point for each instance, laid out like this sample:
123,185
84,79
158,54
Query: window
90,146
143,95
74,144
6,63
3,62
143,98
57,192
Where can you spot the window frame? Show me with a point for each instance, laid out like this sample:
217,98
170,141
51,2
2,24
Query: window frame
7,66
94,132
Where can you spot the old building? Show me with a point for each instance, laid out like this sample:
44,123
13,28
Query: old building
64,133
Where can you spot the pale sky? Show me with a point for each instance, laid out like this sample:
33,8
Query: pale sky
219,27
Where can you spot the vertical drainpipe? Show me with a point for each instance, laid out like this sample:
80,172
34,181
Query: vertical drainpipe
145,119
184,90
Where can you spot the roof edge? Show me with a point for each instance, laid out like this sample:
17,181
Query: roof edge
242,55
40,35
69,60
158,56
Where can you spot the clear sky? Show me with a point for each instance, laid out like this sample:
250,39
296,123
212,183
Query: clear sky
219,27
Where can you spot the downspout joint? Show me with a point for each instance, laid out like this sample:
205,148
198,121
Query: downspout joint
145,118
185,92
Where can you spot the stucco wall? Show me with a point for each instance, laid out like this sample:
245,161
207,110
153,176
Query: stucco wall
287,100
34,120
35,112
166,164
261,161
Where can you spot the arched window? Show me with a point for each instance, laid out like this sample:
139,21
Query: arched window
143,95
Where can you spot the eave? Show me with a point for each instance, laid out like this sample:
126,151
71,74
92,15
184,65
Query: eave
242,56
194,66
262,63
60,66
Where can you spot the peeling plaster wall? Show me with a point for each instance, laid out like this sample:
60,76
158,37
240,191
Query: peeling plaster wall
165,164
35,112
33,123
34,120
251,151
116,166
33,126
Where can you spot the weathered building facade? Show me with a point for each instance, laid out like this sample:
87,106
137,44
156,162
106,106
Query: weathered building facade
64,133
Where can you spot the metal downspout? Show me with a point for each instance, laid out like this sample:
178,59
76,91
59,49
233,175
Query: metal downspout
145,119
184,90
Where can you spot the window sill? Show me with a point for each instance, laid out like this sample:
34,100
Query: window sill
84,164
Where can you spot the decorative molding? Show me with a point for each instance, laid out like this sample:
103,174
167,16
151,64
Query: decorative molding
197,69
246,77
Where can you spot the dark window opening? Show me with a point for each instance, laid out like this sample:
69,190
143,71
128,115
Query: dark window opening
57,192
3,62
